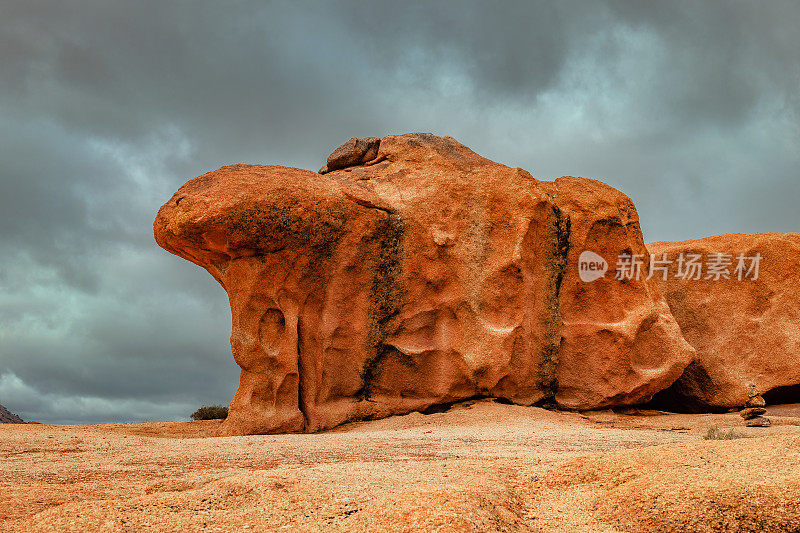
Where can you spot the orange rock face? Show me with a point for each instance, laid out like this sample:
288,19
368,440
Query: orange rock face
422,275
620,344
746,331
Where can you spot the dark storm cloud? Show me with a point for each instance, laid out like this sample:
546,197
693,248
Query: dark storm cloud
106,108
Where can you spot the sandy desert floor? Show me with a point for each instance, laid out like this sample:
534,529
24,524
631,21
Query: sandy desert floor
481,466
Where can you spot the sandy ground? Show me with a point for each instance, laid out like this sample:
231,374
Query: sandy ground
482,466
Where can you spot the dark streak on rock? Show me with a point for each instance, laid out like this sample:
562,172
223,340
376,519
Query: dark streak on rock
548,379
385,299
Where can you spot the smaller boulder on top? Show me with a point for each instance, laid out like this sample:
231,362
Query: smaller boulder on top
354,152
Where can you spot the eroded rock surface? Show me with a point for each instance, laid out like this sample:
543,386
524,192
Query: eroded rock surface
620,344
419,275
746,331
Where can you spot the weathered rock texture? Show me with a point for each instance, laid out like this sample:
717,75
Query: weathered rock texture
620,343
424,274
746,332
7,417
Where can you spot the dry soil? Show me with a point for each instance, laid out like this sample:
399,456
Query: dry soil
481,466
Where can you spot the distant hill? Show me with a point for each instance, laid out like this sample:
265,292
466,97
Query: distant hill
7,417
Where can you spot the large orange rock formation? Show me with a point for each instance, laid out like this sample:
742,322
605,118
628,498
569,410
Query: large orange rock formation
412,272
745,323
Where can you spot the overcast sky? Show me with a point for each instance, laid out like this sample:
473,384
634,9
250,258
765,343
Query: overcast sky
106,108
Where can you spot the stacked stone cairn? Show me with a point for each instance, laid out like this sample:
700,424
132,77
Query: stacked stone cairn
754,410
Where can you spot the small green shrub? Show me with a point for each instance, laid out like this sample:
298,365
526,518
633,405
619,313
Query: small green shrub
211,412
717,434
